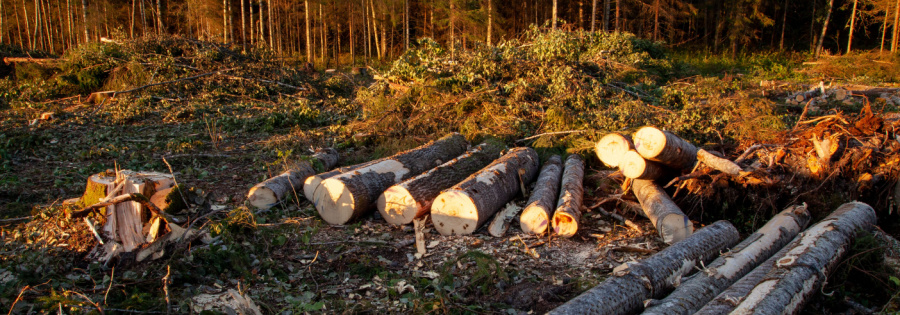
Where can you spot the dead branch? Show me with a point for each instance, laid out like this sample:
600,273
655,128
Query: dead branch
10,60
550,133
234,77
114,93
140,198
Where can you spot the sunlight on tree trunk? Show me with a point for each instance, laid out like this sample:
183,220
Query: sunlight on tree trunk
243,25
783,26
594,14
894,38
852,22
554,15
159,13
824,28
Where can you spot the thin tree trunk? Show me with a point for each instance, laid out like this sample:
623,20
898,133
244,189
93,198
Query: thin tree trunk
224,21
350,195
2,26
367,44
594,14
18,27
852,24
618,26
160,29
375,30
538,210
133,13
731,266
350,21
309,57
453,27
323,32
143,19
554,15
71,38
671,224
783,25
655,20
252,24
884,30
896,37
490,23
27,25
243,25
824,28
272,21
273,190
633,283
406,23
606,4
38,25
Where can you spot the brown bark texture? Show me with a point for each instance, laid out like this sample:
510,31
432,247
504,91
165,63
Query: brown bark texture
664,147
672,225
273,190
568,208
692,294
538,210
625,292
720,164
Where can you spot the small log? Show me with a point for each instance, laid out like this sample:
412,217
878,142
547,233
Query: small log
312,183
350,195
815,91
501,221
467,205
694,293
630,285
568,208
273,190
672,225
665,147
10,60
412,198
720,164
806,265
634,166
538,210
611,147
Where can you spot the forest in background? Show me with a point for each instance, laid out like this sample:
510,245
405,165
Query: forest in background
334,32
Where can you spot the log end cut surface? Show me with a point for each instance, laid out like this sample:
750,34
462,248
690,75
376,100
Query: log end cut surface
649,141
397,205
564,224
611,147
334,202
675,228
262,197
534,220
310,185
454,212
633,165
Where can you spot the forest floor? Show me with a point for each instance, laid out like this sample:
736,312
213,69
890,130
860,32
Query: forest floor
250,114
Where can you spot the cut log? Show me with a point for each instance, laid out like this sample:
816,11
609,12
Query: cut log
538,210
725,302
467,205
11,60
568,208
670,222
312,183
350,195
501,221
634,166
720,164
800,273
273,190
630,285
412,198
611,147
800,97
694,293
665,147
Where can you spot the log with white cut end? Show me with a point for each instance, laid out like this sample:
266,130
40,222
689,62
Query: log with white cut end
466,206
312,183
611,147
806,265
271,191
720,164
403,202
626,290
670,222
350,195
568,208
664,147
634,166
538,210
695,292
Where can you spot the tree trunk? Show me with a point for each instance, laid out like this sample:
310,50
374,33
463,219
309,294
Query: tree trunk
594,14
312,183
538,210
554,15
895,38
618,26
803,269
852,24
568,208
2,26
350,195
273,190
411,199
224,21
606,5
309,57
464,207
324,33
133,14
490,23
271,23
611,147
634,166
143,19
631,284
672,225
692,294
725,302
124,222
664,147
783,25
375,30
720,164
655,19
28,25
406,24
243,25
824,28
159,20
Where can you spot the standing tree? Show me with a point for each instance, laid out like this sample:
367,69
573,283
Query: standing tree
554,14
852,22
824,28
594,14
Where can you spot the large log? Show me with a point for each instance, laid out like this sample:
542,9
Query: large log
568,208
313,182
670,222
692,294
271,191
800,273
664,147
412,198
538,210
725,302
467,205
634,166
611,147
350,195
625,291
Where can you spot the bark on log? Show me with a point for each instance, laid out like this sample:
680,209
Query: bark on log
611,147
670,222
10,60
692,294
568,208
313,182
403,202
725,302
467,205
799,274
501,221
350,195
271,191
720,164
634,166
538,210
665,147
808,95
624,292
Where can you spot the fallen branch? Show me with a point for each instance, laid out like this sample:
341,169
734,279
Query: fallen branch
234,77
114,93
621,219
16,219
9,60
550,134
